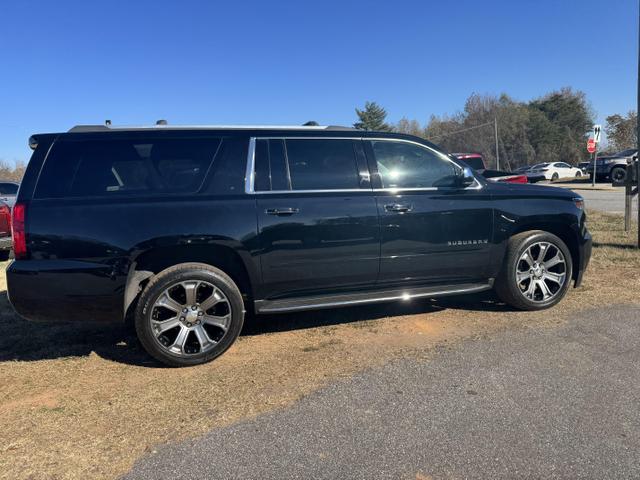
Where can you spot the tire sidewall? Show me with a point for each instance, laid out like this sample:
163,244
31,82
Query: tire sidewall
618,169
519,250
151,294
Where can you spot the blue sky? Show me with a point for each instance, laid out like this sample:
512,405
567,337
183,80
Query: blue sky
68,62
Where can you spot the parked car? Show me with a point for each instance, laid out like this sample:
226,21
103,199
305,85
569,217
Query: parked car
8,192
523,169
183,229
553,171
613,167
5,231
476,162
583,166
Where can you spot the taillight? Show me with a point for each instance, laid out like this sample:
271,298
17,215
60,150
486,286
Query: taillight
19,236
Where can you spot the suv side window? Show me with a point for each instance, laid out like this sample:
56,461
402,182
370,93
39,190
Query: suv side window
271,166
406,165
322,164
109,167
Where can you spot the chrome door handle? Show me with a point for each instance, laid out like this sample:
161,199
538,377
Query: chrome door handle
398,208
281,211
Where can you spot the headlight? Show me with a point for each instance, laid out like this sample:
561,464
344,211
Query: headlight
579,202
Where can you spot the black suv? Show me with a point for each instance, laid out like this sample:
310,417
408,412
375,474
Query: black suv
613,167
183,229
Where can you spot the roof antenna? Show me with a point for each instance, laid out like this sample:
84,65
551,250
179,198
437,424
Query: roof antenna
107,123
161,122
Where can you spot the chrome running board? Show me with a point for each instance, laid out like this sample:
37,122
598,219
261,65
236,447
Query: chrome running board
372,296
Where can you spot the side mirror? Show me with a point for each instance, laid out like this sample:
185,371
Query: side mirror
466,177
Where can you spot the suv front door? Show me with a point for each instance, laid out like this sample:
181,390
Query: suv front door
317,216
432,231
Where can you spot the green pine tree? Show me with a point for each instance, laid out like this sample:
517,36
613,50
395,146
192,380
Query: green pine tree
372,118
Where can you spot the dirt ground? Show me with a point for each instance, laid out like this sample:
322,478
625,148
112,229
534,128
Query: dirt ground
84,401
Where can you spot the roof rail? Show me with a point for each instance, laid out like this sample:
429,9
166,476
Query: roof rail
89,128
106,128
340,127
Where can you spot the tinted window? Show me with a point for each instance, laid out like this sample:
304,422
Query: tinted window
404,165
270,166
124,166
8,188
229,168
476,163
322,164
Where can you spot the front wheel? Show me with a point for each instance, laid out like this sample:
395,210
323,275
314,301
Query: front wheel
536,273
189,314
578,174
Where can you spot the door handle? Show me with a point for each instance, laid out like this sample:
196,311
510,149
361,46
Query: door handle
282,211
398,208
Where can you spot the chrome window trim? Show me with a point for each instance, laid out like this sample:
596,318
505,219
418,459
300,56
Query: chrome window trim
249,177
250,171
342,190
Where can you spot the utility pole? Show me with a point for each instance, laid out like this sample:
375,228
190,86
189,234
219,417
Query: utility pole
495,124
637,163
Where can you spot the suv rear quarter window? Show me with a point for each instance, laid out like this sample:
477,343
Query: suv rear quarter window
120,166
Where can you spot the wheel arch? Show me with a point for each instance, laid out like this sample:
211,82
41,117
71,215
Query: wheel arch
153,261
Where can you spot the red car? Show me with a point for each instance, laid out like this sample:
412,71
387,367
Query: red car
476,162
5,231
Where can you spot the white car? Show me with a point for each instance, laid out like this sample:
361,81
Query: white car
553,171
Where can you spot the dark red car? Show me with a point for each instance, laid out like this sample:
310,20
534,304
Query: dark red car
5,231
476,162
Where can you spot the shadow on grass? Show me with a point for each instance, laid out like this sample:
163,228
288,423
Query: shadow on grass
621,246
29,341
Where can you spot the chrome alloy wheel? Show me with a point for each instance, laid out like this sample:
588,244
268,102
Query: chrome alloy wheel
190,317
541,272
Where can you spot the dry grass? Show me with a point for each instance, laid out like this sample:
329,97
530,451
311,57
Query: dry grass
80,401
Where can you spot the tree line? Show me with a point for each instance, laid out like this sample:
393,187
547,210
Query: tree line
12,173
554,127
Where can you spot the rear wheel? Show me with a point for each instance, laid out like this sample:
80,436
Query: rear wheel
189,314
555,176
536,273
578,174
619,174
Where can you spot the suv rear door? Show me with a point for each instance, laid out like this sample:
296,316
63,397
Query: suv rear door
317,216
431,230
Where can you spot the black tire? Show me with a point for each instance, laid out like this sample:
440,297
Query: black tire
188,272
507,287
618,174
4,255
555,177
578,174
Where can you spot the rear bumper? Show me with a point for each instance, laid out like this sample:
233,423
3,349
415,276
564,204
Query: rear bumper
60,291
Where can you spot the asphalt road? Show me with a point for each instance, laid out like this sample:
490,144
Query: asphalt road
611,201
554,402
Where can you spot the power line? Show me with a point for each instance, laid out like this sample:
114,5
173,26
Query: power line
463,130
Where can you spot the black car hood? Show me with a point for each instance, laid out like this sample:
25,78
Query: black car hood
528,189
